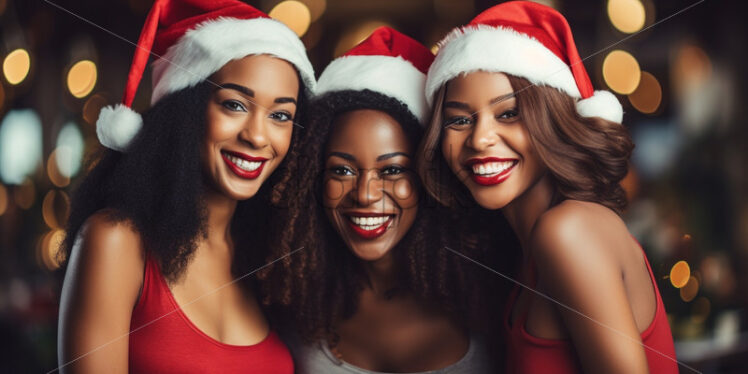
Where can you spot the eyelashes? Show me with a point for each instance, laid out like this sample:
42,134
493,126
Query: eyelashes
457,122
346,171
238,107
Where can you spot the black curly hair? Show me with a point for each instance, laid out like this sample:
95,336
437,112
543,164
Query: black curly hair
319,286
157,184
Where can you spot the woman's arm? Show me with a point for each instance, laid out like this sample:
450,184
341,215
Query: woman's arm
102,285
575,252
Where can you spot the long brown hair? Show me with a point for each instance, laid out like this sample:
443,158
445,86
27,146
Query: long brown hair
587,157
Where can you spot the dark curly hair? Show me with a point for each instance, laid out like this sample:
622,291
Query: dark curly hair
157,184
319,286
587,157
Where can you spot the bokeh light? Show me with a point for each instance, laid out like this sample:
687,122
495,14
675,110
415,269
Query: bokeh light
690,290
53,172
92,108
16,66
69,150
293,14
3,199
691,68
82,78
680,274
25,194
49,254
627,16
621,72
55,209
356,35
648,95
20,145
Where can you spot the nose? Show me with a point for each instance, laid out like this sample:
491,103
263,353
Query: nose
368,188
254,131
484,133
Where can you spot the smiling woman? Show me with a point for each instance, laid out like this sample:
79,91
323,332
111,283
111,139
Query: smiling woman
373,244
518,123
169,215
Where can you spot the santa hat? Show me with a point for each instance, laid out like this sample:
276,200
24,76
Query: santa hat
527,40
387,62
192,39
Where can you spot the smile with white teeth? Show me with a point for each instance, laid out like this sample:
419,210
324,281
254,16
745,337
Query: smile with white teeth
491,168
242,163
369,223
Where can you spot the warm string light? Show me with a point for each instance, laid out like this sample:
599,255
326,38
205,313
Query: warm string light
621,72
81,78
16,66
294,14
628,16
648,95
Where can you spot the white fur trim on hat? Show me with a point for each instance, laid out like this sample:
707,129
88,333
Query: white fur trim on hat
497,49
205,49
602,104
390,76
117,126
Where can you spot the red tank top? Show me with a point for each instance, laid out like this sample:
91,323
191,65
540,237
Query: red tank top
164,340
530,354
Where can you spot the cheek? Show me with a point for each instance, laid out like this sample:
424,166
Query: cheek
451,147
280,138
404,192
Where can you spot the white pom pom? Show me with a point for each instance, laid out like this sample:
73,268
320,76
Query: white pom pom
117,126
601,104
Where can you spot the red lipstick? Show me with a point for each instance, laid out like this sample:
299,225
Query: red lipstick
241,173
492,179
369,234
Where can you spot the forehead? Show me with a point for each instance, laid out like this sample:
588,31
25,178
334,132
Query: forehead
477,86
367,133
262,74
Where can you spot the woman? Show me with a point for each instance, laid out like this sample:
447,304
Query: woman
373,290
153,243
518,124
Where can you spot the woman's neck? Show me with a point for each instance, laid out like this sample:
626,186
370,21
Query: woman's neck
523,212
219,210
381,274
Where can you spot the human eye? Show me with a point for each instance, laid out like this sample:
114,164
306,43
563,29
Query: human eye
234,106
342,171
508,114
457,122
393,170
281,116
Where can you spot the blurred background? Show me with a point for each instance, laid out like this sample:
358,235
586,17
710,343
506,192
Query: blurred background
675,65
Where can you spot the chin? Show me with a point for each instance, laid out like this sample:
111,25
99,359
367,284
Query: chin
488,200
371,252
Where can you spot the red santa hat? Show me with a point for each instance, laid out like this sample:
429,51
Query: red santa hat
192,39
527,40
387,62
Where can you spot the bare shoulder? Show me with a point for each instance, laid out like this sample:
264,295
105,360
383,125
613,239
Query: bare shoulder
575,235
109,245
103,280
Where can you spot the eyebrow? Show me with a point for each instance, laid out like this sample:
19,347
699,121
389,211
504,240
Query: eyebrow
391,155
349,157
464,106
249,92
345,156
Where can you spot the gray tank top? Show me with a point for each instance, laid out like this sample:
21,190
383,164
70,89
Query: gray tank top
317,359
